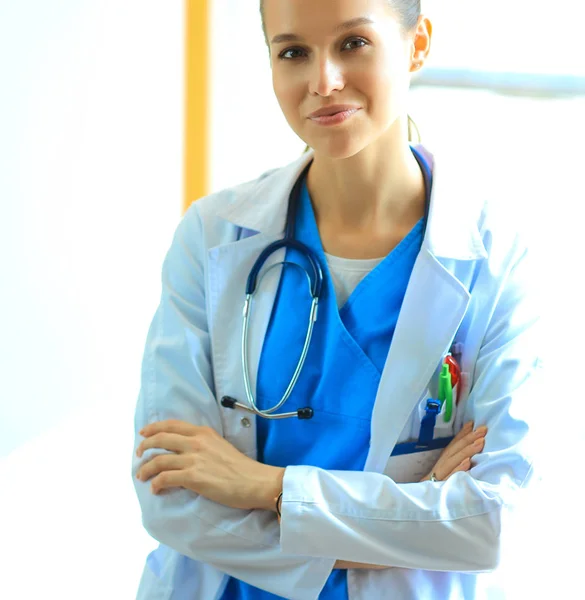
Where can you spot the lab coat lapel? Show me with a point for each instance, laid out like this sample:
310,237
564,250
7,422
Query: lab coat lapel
228,269
259,212
433,308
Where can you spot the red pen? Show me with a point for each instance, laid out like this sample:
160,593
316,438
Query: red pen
455,371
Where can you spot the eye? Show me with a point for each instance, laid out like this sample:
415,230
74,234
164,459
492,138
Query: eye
354,44
292,54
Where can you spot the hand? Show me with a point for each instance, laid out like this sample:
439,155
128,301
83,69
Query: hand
458,454
207,464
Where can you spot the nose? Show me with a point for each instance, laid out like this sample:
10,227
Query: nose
326,77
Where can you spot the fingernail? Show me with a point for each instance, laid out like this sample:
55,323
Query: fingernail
479,443
481,430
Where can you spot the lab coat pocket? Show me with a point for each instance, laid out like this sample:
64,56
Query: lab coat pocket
443,427
413,466
432,427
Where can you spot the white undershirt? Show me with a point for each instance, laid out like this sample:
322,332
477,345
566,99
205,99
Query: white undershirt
347,273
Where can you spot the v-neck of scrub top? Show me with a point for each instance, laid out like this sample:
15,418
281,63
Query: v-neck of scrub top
342,371
347,273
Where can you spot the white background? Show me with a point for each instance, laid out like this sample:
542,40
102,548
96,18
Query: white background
91,126
91,134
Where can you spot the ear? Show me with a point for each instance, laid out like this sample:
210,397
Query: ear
421,43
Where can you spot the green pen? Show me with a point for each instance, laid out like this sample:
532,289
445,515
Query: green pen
446,392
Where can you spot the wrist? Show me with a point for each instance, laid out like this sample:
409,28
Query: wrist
269,488
278,506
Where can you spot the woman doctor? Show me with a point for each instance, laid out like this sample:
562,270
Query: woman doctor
424,339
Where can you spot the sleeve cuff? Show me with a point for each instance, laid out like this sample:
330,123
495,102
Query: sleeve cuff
295,530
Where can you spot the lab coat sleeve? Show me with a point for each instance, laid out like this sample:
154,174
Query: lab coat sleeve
456,525
177,383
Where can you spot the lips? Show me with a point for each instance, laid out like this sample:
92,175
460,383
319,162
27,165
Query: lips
329,111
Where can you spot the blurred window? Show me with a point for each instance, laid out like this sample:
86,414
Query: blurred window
520,46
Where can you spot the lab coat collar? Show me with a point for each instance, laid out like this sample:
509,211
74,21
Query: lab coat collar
452,229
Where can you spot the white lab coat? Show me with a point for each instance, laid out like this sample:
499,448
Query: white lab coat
471,283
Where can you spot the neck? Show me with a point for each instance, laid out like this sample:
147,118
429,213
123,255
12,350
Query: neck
381,186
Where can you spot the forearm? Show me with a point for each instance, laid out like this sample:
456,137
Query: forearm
340,564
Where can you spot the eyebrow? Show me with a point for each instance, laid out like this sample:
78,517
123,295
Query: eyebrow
291,37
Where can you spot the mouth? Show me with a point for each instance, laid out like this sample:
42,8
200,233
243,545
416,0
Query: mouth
334,115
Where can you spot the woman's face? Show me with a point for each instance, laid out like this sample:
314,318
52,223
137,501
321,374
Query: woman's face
349,57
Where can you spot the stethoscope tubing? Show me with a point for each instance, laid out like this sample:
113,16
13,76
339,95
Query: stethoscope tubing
315,288
252,407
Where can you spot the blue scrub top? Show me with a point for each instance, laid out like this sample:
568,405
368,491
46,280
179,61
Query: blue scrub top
342,372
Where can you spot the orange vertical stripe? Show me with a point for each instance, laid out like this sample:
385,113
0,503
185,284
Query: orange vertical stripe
196,100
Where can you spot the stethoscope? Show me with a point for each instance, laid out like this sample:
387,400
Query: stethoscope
315,282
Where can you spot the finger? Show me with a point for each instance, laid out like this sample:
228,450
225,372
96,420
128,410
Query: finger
164,441
457,441
468,452
167,480
457,445
169,426
164,462
447,463
463,466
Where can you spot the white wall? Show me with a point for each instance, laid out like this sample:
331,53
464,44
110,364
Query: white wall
91,133
249,135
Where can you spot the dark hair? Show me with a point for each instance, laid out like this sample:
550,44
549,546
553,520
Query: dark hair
408,13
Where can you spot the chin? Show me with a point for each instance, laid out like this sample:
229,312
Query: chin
337,149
